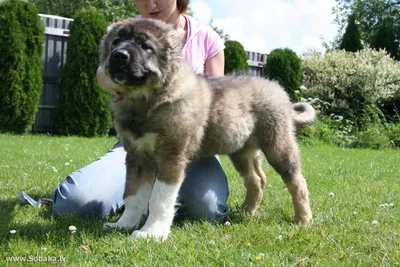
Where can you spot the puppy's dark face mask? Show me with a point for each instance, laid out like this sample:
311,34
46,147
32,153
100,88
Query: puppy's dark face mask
140,54
130,59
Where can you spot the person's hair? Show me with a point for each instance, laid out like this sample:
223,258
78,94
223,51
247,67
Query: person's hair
182,5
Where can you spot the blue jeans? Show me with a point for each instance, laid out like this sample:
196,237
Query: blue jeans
97,189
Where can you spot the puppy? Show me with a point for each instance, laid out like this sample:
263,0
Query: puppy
168,115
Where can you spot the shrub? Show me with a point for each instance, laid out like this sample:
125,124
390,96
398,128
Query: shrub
350,81
351,40
21,47
372,137
284,66
83,107
376,130
235,57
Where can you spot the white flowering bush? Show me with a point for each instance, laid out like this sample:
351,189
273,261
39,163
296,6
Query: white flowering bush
351,80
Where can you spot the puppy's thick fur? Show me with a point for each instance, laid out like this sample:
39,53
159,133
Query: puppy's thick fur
168,115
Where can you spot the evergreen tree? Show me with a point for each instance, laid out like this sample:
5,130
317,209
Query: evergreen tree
385,38
83,107
351,40
284,66
21,47
235,57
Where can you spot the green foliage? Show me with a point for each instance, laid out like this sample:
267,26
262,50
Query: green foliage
113,10
368,129
235,57
351,41
385,38
351,81
21,46
284,66
83,107
370,15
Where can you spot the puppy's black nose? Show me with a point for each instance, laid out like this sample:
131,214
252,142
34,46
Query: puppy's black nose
120,54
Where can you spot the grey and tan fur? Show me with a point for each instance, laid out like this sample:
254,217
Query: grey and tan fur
168,115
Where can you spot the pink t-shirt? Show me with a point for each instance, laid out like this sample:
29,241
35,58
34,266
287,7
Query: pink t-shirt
202,43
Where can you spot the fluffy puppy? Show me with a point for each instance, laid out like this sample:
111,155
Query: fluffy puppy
168,115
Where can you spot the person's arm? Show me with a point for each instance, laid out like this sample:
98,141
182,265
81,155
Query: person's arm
215,66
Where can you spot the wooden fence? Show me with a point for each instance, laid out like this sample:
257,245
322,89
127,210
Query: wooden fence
54,56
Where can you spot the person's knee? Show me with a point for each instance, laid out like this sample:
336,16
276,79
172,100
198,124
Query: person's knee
205,191
208,207
70,198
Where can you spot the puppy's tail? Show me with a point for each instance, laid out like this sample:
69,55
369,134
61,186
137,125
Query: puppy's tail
304,114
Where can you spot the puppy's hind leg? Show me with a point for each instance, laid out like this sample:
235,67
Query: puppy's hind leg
285,159
138,188
248,163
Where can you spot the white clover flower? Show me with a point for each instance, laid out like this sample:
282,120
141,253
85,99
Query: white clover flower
13,232
331,194
280,237
375,222
72,229
391,205
355,213
66,163
227,223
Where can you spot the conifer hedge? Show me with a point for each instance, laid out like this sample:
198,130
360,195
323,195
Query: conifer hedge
235,57
21,47
284,66
83,107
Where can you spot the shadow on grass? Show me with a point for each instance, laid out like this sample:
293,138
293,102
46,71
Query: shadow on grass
7,211
47,226
266,216
42,225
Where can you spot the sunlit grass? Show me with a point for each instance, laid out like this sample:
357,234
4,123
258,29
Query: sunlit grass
351,227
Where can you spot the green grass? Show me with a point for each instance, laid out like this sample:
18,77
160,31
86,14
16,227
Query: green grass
361,181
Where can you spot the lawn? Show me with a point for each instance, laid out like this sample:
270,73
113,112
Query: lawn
352,226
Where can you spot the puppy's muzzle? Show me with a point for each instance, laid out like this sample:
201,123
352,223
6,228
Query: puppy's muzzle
118,64
126,67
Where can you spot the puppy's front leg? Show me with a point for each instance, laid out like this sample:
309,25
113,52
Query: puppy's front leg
138,186
163,200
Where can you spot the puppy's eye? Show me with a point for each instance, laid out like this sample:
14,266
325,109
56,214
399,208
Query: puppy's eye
147,47
116,41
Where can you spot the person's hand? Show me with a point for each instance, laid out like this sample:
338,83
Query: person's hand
103,81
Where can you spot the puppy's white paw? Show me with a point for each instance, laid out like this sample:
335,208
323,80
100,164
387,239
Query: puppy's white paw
160,235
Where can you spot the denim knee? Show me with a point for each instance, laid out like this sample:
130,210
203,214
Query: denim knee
204,192
95,190
69,198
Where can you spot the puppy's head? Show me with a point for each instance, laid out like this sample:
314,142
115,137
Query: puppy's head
138,53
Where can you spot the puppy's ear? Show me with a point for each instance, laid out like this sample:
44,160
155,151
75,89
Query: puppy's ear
111,26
